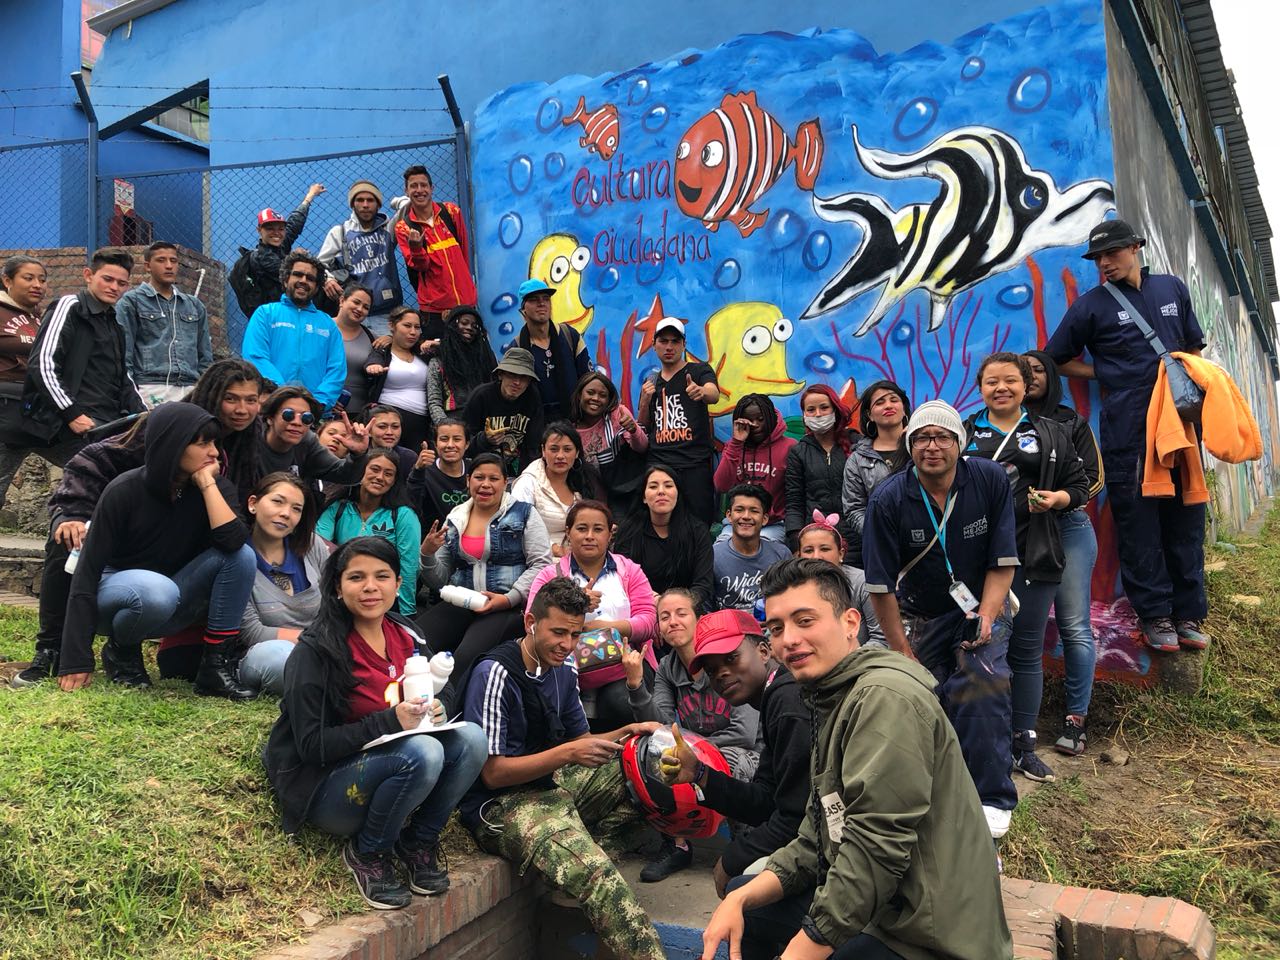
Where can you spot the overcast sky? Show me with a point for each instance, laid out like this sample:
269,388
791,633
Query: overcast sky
1247,29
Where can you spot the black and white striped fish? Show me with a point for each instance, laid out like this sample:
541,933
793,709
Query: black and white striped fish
992,212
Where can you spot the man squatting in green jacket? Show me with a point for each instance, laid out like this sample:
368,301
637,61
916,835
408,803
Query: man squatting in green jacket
893,859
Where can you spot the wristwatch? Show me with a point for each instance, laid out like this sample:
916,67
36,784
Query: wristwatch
812,932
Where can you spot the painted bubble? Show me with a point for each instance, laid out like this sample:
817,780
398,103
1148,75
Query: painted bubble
502,303
728,274
656,118
649,272
972,68
549,113
506,328
648,373
903,334
607,279
817,250
820,362
553,165
915,118
1030,90
507,346
520,173
1014,297
785,229
638,92
509,229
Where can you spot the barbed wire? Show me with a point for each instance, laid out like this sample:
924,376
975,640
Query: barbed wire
245,86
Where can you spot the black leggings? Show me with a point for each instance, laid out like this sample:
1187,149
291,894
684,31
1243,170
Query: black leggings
467,636
414,428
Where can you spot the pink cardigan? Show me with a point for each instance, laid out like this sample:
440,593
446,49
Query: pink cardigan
644,616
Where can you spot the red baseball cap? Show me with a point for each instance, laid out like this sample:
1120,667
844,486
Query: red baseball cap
268,216
721,632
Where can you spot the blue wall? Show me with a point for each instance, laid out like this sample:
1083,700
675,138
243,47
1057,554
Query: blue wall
297,49
43,49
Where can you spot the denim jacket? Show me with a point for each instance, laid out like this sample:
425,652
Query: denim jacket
516,547
165,341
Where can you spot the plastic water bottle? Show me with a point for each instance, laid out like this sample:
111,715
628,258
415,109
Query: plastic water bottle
417,681
441,671
660,741
463,597
73,558
757,609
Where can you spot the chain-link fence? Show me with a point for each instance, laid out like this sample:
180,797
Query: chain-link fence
214,210
45,188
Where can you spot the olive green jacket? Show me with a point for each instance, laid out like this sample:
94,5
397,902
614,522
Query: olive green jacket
894,813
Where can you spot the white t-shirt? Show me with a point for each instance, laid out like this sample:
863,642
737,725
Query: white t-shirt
406,386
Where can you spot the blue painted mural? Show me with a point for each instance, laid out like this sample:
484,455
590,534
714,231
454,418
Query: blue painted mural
814,210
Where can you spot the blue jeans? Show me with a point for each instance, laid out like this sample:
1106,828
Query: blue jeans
1071,609
401,791
262,668
1026,649
136,604
769,929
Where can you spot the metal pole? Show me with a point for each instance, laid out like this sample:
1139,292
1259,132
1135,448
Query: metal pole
91,206
461,160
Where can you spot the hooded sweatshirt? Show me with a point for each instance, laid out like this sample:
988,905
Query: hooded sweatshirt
764,464
369,255
1082,437
18,329
140,525
894,818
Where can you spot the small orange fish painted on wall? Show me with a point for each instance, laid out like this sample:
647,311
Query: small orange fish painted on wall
732,156
600,129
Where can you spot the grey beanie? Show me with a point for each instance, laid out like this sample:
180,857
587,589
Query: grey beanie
936,413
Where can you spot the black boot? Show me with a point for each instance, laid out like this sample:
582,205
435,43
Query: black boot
217,676
123,665
671,859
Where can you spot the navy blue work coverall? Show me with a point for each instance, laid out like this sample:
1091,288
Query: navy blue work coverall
1160,539
980,535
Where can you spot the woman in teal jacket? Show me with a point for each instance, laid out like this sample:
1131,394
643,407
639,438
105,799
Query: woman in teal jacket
378,507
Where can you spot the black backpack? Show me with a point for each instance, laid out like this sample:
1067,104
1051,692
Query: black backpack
249,293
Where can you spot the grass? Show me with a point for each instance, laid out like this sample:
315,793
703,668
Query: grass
1196,813
141,824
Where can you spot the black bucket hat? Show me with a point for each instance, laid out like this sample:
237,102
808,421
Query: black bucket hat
1111,235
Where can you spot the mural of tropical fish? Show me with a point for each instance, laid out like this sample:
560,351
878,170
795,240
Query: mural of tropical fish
992,212
732,156
601,131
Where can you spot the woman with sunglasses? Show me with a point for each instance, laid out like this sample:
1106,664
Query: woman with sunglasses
463,362
287,443
1044,471
378,506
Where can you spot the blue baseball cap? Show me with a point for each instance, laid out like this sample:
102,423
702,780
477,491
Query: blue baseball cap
532,286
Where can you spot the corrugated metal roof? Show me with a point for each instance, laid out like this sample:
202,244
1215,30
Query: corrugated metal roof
1224,107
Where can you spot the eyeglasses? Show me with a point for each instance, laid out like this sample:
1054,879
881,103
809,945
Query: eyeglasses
302,275
288,414
943,441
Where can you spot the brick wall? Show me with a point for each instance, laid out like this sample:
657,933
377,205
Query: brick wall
66,275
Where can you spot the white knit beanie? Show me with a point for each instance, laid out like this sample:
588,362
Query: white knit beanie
936,413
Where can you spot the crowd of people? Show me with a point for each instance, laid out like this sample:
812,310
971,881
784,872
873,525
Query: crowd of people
851,669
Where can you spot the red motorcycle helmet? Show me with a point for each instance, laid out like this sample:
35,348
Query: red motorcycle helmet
674,811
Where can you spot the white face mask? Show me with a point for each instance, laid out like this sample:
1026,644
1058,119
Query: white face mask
820,424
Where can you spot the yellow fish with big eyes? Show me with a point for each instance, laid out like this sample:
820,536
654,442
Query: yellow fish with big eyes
558,261
747,348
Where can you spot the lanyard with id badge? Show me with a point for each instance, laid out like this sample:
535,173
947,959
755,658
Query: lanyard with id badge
960,593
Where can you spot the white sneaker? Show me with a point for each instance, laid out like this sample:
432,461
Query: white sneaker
997,821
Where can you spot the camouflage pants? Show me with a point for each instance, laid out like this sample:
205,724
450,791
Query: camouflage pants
554,831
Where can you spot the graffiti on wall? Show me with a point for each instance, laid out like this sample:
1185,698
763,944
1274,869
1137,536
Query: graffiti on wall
814,210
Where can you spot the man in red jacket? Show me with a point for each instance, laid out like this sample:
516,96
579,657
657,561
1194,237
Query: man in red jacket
433,241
